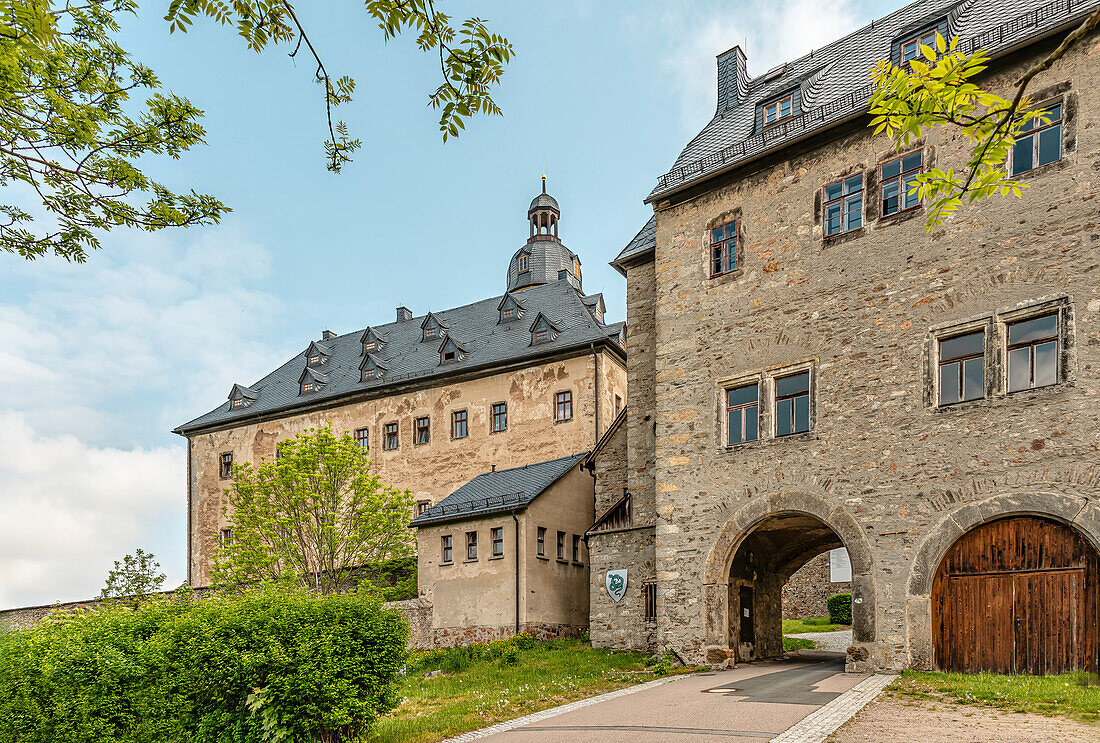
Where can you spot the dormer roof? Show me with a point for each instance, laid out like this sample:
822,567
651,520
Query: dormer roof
317,349
240,391
310,374
370,335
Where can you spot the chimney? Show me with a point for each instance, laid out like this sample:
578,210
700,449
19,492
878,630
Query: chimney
327,335
404,314
494,467
733,78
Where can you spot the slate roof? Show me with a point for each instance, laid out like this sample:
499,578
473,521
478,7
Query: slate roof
544,200
502,490
406,357
644,242
833,82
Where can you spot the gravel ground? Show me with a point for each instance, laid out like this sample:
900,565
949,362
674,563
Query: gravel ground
889,718
835,642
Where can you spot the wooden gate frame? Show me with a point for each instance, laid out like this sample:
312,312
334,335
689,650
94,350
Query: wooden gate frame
1079,512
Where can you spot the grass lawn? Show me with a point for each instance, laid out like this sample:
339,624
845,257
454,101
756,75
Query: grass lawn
810,624
1075,695
473,693
797,643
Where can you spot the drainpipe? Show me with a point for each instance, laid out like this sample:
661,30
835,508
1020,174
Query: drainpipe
596,379
190,581
516,522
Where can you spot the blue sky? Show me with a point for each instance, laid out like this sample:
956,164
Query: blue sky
104,359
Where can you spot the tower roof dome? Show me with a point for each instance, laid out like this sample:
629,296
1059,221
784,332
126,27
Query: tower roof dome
544,201
544,259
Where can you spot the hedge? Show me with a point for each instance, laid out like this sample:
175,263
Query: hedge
265,665
840,608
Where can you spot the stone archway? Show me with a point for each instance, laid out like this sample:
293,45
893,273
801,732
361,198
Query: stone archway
1076,511
826,525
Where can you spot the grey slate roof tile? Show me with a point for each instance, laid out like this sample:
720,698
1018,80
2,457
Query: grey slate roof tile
405,357
645,241
835,81
502,490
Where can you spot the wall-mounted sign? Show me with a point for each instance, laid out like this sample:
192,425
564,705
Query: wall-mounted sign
615,581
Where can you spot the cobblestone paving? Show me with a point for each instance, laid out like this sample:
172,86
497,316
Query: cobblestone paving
835,642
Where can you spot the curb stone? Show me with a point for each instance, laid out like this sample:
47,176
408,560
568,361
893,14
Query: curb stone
820,724
546,714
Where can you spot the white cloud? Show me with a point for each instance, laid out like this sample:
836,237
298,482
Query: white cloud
68,510
100,361
769,33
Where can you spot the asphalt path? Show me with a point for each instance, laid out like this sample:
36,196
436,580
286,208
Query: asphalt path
750,703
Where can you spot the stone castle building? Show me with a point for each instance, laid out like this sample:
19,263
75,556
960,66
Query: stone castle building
809,369
530,376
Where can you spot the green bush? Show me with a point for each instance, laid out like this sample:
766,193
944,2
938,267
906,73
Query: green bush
265,665
840,608
525,641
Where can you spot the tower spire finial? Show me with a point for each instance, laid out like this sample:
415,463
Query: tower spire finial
544,182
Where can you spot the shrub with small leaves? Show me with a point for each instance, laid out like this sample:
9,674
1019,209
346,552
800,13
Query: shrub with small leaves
840,608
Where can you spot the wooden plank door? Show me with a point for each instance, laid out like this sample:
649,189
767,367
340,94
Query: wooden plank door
1047,612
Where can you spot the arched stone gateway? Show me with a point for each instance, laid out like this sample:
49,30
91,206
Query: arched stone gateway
756,552
1080,519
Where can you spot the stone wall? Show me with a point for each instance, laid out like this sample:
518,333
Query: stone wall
886,471
805,592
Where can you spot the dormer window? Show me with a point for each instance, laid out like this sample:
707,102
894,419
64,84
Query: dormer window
307,386
451,351
370,373
239,402
778,109
509,313
542,335
314,360
316,354
241,397
576,267
432,332
311,380
449,356
369,346
910,48
521,264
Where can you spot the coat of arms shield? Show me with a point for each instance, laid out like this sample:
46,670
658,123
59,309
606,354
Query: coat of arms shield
615,581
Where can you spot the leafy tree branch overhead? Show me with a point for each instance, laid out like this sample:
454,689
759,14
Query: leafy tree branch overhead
938,88
67,90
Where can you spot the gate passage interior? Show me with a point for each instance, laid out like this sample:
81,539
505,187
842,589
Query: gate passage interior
1017,595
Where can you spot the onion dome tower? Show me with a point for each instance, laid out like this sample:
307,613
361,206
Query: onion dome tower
544,259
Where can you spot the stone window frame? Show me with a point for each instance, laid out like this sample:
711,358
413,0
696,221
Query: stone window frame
765,380
225,465
422,506
774,401
995,324
726,389
732,215
649,602
446,544
1059,305
1050,96
946,331
465,423
426,429
563,406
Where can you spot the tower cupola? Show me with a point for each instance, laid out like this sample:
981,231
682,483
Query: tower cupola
544,259
543,215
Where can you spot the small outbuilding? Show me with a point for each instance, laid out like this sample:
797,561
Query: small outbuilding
506,553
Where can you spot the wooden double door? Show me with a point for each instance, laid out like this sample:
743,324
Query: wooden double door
1018,595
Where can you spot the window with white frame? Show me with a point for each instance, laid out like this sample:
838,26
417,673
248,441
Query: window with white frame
778,109
910,48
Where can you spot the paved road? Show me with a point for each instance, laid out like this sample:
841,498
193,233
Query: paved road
748,704
835,642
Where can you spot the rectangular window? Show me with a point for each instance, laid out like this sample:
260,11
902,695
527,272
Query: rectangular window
390,441
1038,143
314,360
369,346
422,506
431,332
449,356
649,597
307,386
521,263
448,553
540,542
362,437
369,373
563,406
743,414
471,545
225,465
509,313
777,110
723,248
962,368
792,404
541,335
459,429
618,405
422,431
910,48
576,548
497,533
239,402
1033,353
844,205
897,177
226,537
561,545
500,417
